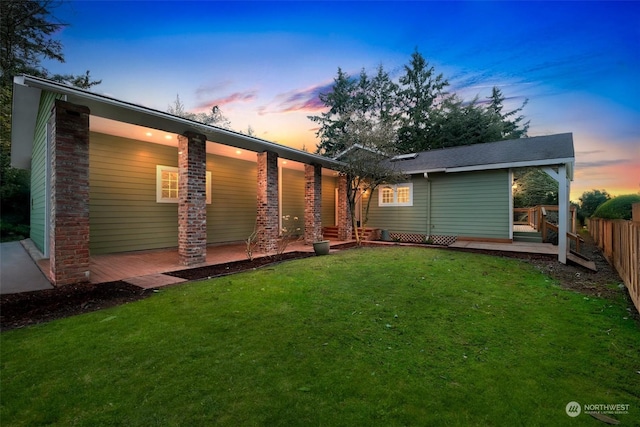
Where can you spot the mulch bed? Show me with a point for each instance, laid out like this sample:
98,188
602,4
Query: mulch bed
209,271
29,308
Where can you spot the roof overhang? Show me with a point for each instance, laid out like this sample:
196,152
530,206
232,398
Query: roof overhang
569,162
26,100
25,103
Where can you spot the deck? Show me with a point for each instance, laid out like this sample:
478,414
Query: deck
143,264
523,247
146,268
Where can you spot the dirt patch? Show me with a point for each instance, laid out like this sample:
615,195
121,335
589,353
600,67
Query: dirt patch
235,266
29,308
605,283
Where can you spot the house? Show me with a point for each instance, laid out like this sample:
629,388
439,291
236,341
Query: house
465,192
109,176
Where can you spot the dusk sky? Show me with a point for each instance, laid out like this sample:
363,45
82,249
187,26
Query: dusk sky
264,63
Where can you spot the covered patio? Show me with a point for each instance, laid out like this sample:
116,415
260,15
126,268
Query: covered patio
135,266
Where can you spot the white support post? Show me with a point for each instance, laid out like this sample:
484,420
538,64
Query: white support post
563,213
563,208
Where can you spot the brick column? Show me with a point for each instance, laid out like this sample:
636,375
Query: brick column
192,199
69,226
267,221
312,203
345,227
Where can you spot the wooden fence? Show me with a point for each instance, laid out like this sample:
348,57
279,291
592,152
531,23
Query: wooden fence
619,241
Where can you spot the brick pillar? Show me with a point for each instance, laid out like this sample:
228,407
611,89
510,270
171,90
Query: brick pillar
312,203
267,221
192,199
69,227
345,227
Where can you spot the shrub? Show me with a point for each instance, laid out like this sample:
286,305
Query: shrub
617,208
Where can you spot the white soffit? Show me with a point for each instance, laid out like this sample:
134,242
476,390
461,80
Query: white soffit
155,136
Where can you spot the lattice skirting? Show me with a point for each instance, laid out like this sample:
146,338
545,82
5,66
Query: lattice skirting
443,240
422,238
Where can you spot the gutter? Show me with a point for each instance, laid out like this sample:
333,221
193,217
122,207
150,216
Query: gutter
114,109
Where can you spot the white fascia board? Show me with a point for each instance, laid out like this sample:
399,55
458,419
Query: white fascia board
114,109
25,105
419,171
531,163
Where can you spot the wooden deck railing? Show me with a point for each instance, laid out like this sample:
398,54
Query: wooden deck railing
537,217
619,241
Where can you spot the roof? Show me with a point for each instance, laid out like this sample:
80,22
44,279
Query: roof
535,151
26,101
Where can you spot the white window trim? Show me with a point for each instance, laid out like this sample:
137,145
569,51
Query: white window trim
395,194
160,199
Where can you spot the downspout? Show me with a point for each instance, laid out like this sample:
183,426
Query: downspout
426,176
280,190
510,204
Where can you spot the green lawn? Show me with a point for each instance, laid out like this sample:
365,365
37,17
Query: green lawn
384,336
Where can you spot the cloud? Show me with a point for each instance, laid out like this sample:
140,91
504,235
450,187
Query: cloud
229,99
298,100
203,91
601,163
586,153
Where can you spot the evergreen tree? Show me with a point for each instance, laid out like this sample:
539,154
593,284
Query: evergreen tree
590,201
422,114
508,126
382,94
458,123
27,30
534,187
420,91
340,101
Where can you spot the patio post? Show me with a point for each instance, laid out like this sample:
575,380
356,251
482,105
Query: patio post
267,220
345,227
312,203
192,199
69,220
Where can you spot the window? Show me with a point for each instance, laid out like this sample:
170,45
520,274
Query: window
167,184
387,195
396,195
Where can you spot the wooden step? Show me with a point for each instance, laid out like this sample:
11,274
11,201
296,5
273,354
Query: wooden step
524,236
331,233
582,261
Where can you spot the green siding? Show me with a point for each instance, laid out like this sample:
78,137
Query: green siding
471,204
402,219
39,172
328,215
231,216
123,211
292,185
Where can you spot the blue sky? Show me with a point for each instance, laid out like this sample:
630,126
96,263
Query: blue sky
264,63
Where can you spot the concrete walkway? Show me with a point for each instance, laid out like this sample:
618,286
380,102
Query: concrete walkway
18,271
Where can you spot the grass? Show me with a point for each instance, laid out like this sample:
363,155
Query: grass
386,336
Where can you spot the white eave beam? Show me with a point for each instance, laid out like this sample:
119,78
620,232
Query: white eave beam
117,110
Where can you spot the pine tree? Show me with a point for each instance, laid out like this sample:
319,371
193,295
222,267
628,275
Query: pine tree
340,101
509,127
419,93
